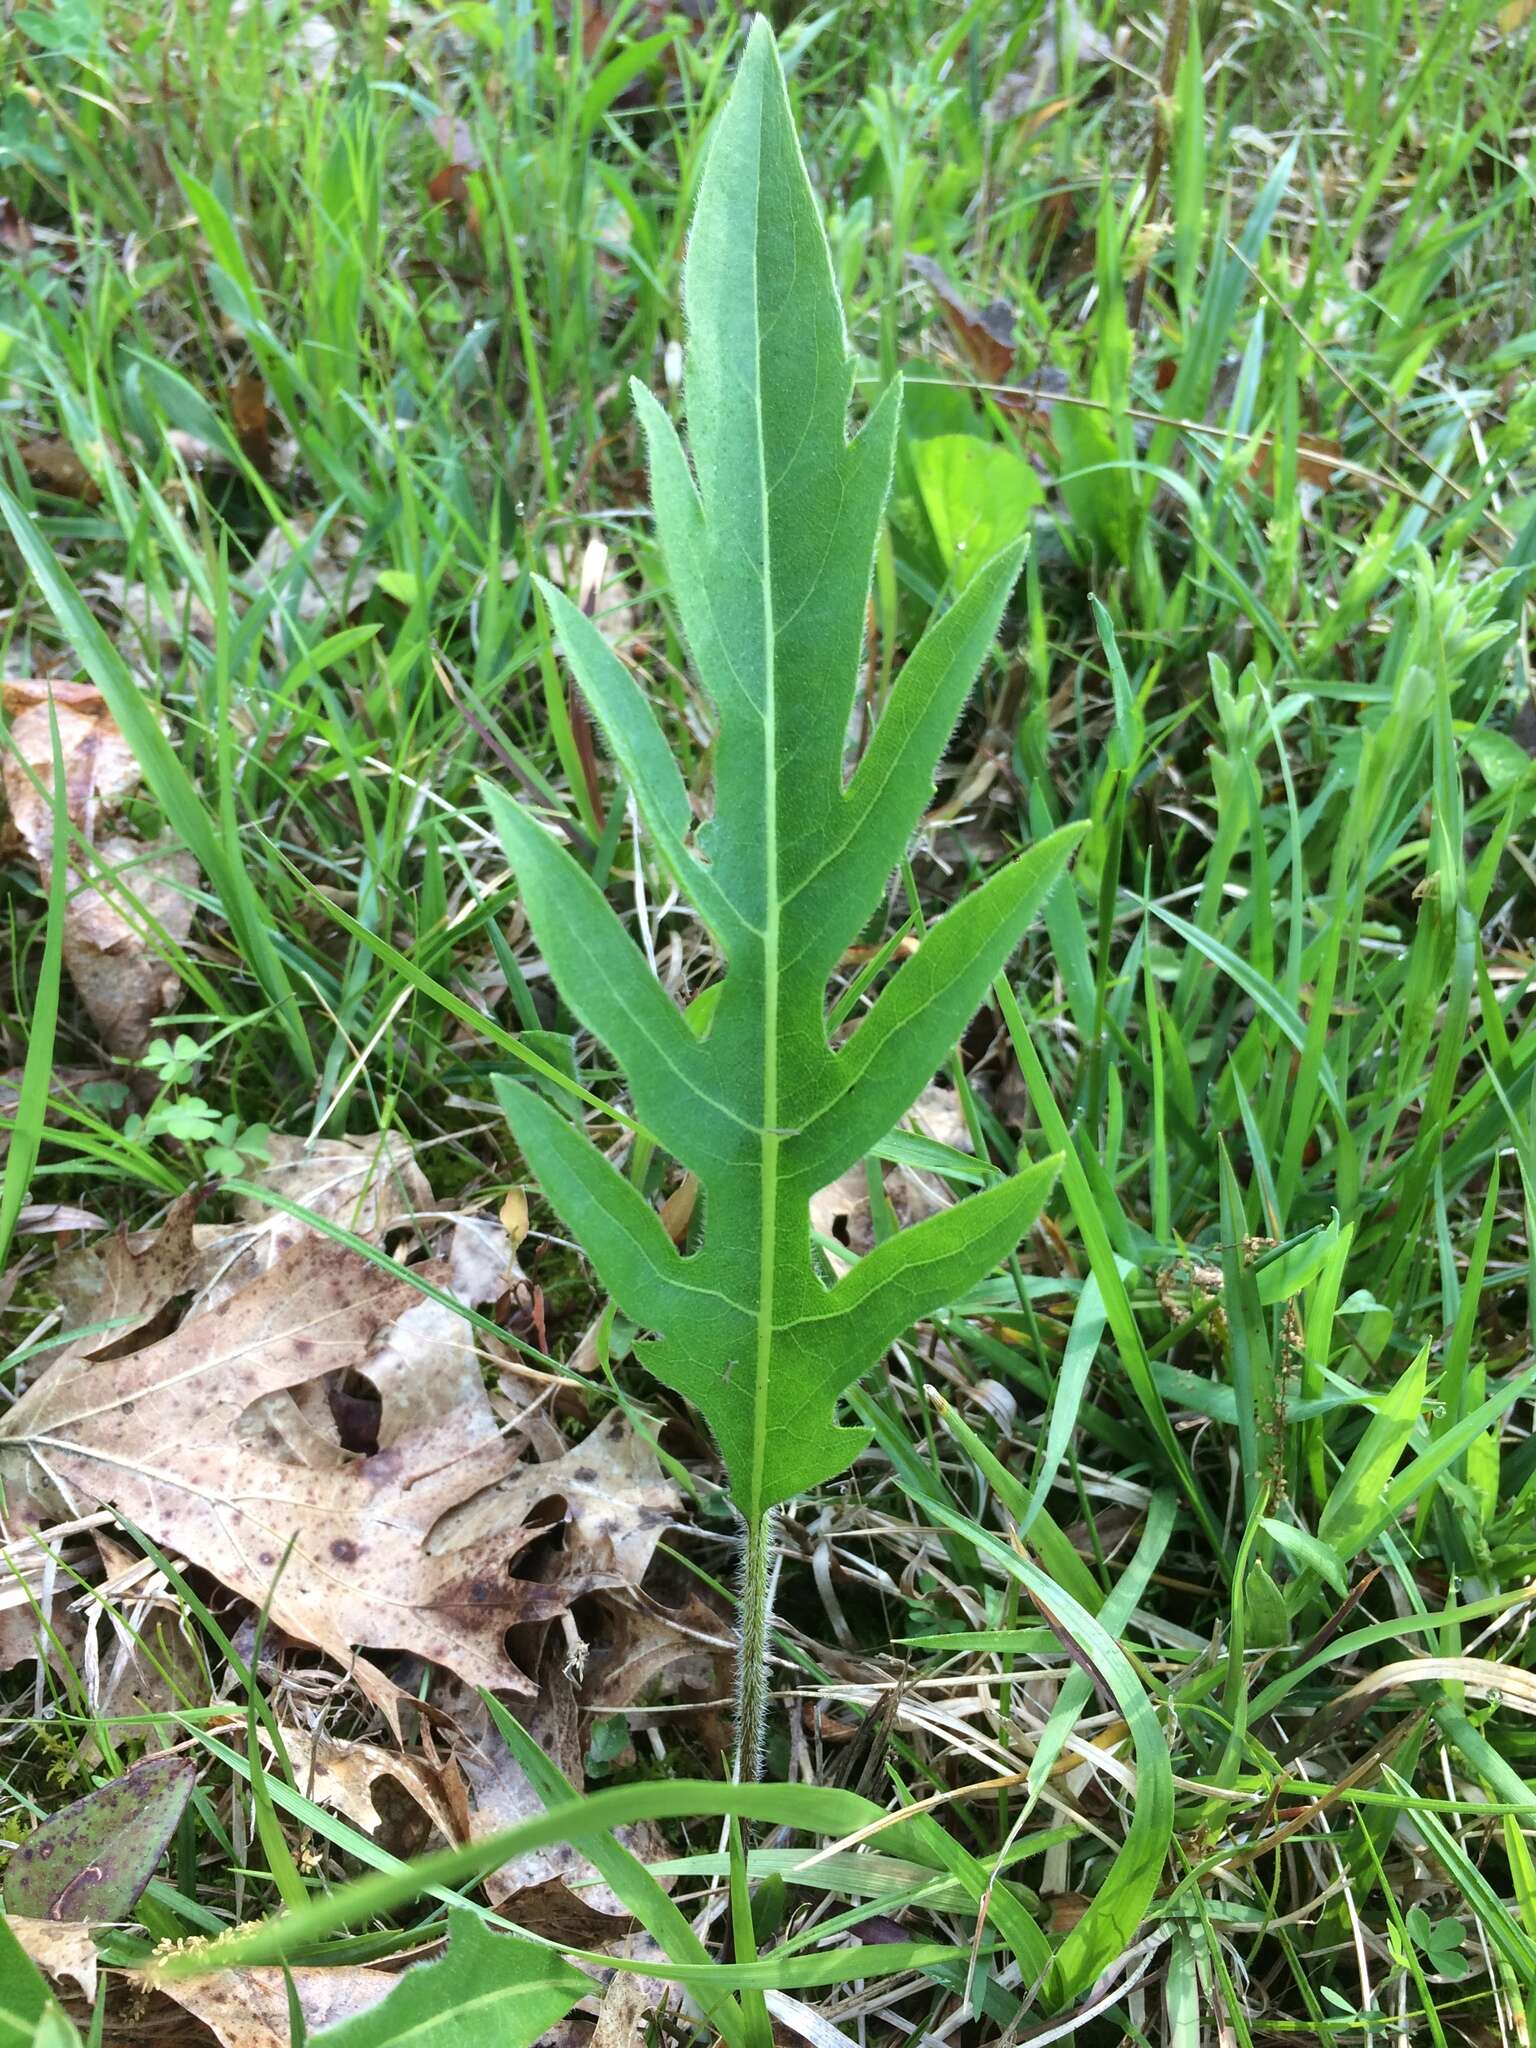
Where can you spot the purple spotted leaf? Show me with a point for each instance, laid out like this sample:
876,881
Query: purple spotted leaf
90,1861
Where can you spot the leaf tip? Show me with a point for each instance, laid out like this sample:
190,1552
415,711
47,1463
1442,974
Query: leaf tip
548,591
760,37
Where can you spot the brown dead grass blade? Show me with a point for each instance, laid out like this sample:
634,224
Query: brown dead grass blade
1483,1676
53,466
253,423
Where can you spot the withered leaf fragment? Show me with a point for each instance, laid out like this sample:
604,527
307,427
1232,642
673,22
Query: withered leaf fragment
127,897
339,1542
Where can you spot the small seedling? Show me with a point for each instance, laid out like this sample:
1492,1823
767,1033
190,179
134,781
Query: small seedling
1441,1944
228,1146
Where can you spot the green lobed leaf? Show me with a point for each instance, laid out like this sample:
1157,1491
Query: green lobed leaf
768,525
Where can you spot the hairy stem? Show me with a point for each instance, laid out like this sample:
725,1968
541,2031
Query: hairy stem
759,1577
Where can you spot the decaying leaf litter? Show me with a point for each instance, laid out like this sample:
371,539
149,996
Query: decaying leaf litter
1031,180
278,1317
131,903
318,1437
388,1516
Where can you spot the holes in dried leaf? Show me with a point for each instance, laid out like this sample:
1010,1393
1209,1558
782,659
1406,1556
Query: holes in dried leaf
356,1410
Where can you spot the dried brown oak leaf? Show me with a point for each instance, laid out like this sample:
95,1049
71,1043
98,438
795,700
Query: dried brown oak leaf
365,1184
344,1776
99,767
551,1891
249,2008
60,1948
636,1641
112,958
115,937
158,1437
617,1502
112,1290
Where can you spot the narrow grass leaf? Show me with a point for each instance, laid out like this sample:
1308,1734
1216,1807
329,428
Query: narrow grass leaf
1354,1504
31,1112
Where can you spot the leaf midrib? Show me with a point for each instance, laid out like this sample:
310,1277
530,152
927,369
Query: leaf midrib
768,1157
432,2025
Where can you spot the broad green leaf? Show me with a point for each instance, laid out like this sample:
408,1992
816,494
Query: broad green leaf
995,1900
1501,761
1444,1450
978,496
1304,1549
1268,1621
55,2030
1113,1615
485,1987
859,1873
1096,487
1296,1265
768,526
